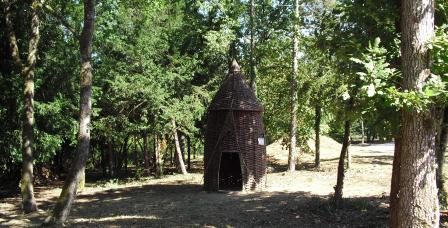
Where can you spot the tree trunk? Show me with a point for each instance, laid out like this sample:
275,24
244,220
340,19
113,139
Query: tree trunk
295,66
27,73
341,170
68,194
253,68
110,159
125,155
180,161
135,154
157,158
189,153
317,119
362,131
145,151
182,144
395,184
418,202
440,153
171,154
194,151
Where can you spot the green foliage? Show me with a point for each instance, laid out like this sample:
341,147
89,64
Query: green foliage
439,52
380,78
345,33
158,60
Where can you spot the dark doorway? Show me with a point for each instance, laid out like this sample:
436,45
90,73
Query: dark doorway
230,172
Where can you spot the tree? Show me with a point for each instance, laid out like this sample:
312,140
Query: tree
27,73
337,199
352,28
418,167
68,194
253,68
145,151
317,121
180,160
395,185
295,62
157,157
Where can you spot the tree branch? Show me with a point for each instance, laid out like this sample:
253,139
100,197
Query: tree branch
35,36
14,48
63,21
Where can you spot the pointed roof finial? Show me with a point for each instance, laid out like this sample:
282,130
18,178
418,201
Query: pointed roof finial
234,67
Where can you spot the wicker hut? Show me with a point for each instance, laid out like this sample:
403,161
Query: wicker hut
235,151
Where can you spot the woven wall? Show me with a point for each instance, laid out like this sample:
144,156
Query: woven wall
235,125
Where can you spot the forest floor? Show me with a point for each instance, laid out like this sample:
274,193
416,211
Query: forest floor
299,199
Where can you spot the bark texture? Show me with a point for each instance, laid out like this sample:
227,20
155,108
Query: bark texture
295,66
180,160
317,120
110,158
189,153
69,190
362,132
157,157
27,73
337,200
395,184
418,202
146,152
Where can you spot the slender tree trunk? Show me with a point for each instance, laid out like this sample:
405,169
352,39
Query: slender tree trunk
295,66
125,155
27,72
110,158
103,160
135,154
341,170
182,144
26,184
157,157
395,184
145,151
362,131
194,151
189,152
169,147
253,67
180,161
317,119
418,201
68,194
440,153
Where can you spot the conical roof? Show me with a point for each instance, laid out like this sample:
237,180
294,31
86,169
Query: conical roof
235,94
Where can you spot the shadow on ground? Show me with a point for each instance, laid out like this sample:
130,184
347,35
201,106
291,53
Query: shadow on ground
186,205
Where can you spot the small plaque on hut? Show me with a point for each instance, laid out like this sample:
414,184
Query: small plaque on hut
261,140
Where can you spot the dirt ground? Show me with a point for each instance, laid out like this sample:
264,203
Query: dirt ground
299,199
